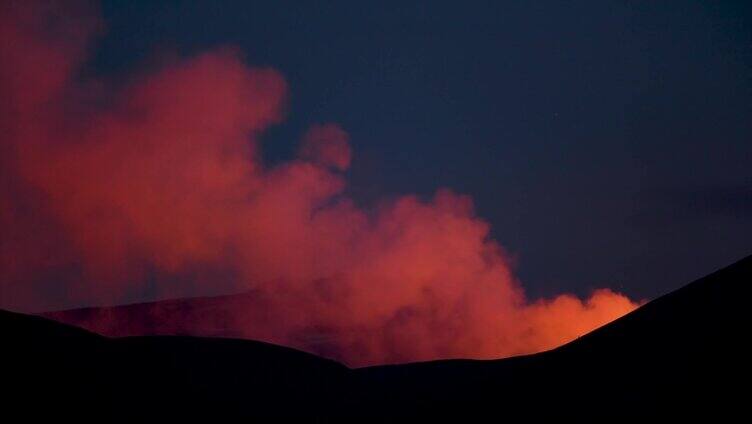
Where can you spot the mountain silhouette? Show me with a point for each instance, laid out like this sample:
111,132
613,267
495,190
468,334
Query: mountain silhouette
681,355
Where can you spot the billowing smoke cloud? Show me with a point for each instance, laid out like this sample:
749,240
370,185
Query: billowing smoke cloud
155,188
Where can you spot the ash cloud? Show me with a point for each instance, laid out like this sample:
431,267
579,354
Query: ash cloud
156,188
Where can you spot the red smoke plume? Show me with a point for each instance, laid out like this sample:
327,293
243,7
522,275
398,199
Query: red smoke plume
156,189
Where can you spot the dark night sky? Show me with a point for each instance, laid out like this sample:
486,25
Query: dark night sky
608,143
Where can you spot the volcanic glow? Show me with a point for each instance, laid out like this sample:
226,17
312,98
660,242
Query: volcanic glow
155,188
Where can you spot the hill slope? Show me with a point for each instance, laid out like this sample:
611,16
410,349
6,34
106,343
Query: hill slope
60,370
681,354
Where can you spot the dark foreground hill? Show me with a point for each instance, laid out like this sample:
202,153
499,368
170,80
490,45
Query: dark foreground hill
681,355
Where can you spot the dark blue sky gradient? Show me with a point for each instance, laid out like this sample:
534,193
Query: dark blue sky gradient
608,143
